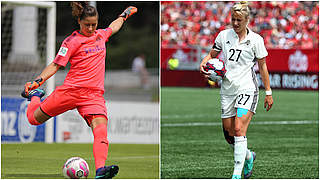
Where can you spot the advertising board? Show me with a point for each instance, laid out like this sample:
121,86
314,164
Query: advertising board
14,123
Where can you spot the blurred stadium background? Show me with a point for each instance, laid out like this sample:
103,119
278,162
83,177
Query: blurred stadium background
290,31
31,34
192,142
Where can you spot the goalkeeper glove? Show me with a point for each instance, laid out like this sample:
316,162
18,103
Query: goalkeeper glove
128,12
32,85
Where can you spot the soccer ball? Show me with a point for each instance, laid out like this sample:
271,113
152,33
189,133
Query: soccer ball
75,168
216,69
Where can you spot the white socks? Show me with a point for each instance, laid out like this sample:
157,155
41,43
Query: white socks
248,152
240,151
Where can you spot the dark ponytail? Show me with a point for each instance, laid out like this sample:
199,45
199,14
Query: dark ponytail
82,9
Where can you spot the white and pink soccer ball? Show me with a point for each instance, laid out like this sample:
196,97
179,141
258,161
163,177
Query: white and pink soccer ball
75,168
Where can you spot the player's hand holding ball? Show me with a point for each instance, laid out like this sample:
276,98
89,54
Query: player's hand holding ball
202,66
128,12
214,69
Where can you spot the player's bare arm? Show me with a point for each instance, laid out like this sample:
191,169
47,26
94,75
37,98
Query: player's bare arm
117,24
212,54
49,71
268,101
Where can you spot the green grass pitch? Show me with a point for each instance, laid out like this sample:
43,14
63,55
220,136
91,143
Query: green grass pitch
286,139
45,161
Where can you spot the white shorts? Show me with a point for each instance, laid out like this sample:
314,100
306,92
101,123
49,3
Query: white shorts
246,100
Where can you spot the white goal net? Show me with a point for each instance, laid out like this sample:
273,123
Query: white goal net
27,43
28,32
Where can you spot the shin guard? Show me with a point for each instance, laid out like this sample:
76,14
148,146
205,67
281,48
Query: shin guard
240,148
32,107
100,145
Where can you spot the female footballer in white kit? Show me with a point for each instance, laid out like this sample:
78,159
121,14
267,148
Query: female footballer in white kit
242,48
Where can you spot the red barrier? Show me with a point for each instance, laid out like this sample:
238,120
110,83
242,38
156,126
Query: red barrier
278,80
182,78
278,60
292,60
289,69
295,81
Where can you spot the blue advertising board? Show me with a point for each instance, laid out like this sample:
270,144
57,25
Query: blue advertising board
15,126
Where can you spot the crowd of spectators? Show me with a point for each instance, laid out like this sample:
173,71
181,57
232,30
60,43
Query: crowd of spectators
283,25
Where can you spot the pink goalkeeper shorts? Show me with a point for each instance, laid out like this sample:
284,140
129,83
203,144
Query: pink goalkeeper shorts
64,98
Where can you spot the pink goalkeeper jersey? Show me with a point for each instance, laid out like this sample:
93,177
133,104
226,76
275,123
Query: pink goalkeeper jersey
87,58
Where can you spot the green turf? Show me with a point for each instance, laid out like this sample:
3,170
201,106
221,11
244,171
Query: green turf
283,151
45,161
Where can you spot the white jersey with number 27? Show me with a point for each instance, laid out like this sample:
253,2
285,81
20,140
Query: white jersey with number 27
240,57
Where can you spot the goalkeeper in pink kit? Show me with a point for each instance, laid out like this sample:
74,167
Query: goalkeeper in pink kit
83,88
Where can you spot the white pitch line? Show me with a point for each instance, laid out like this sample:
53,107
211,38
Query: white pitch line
254,123
135,157
187,116
191,116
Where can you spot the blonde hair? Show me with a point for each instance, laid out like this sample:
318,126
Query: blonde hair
241,8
